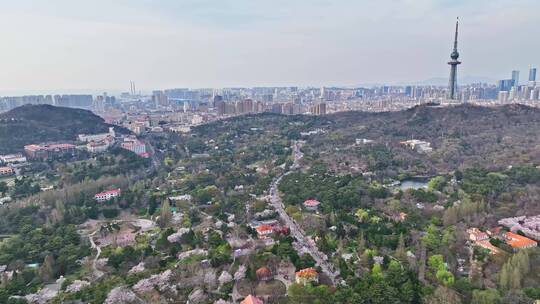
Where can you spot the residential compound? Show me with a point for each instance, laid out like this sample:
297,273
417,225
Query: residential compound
524,233
98,143
528,225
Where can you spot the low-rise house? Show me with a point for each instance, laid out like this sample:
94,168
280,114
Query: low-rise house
518,242
264,274
476,234
311,204
264,231
252,300
107,195
256,223
307,275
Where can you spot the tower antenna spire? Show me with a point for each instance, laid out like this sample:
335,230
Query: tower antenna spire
454,62
456,37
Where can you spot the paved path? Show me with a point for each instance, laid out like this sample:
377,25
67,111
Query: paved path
303,241
97,273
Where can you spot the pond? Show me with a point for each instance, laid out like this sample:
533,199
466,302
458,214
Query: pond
415,184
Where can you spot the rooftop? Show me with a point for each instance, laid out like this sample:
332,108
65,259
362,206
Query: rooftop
252,300
307,273
112,191
312,203
519,241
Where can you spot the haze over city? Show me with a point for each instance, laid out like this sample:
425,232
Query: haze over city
270,152
79,46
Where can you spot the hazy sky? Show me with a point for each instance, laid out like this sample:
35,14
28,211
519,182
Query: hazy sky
103,44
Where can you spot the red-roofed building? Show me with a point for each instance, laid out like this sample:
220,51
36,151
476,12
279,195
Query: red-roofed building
49,151
264,274
136,146
476,234
312,204
307,275
107,195
252,300
518,242
264,231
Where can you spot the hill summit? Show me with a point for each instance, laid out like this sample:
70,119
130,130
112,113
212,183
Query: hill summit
30,124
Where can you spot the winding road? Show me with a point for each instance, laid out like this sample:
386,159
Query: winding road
304,242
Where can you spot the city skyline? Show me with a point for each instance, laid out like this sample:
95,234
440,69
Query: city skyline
77,47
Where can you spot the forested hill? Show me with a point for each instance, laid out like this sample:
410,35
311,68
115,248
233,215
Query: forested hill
461,136
43,123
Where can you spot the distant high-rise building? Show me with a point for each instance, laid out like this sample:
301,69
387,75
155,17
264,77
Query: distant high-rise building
532,74
220,106
318,109
452,85
217,99
160,99
408,91
505,84
515,78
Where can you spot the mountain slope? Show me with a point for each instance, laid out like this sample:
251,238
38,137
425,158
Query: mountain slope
43,123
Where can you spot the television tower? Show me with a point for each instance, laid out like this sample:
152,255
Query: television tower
452,85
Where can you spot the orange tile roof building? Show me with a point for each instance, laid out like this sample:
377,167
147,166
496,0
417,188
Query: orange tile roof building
518,242
307,275
252,300
264,231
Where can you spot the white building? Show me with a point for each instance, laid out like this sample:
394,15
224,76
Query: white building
134,145
13,158
107,195
98,147
418,145
97,137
